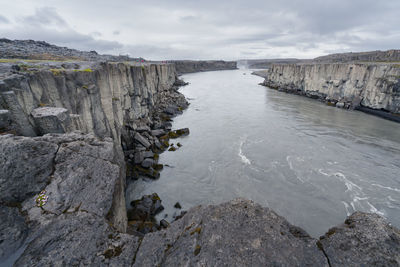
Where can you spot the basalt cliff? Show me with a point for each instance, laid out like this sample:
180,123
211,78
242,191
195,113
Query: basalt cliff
73,132
371,87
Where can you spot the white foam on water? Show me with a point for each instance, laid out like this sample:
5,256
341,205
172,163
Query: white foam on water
347,207
359,198
350,185
244,159
387,187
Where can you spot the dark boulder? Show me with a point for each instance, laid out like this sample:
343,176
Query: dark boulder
146,208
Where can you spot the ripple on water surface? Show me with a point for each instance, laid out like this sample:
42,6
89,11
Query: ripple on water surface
311,163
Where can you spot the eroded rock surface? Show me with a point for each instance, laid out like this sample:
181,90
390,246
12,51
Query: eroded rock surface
237,233
363,240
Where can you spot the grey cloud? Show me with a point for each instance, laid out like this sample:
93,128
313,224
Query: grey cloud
47,25
4,20
45,16
158,29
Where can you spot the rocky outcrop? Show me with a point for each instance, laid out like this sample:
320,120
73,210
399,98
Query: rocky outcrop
374,86
30,49
189,66
363,240
80,177
238,232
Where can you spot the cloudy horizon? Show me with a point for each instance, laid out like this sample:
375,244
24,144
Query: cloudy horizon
207,29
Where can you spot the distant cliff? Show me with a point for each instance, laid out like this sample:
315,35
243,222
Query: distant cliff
370,85
370,56
266,63
189,66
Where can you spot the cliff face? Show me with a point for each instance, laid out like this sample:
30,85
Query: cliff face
375,86
189,66
105,100
100,99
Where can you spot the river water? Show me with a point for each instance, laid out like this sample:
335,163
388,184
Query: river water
311,163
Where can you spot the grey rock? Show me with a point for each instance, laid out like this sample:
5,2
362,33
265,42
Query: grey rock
84,177
139,157
164,223
5,119
52,120
25,166
147,163
158,144
146,208
143,128
340,105
141,140
237,233
363,240
172,110
158,133
167,126
79,239
148,154
13,231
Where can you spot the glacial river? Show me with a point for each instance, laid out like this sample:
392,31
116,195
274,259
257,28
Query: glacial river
311,163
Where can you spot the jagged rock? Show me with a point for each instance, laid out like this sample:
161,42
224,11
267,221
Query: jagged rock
177,205
363,240
231,234
25,166
143,141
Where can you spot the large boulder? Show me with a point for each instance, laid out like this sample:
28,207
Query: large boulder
79,239
237,233
26,165
51,119
363,240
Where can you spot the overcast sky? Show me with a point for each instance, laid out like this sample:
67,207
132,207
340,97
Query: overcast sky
210,29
